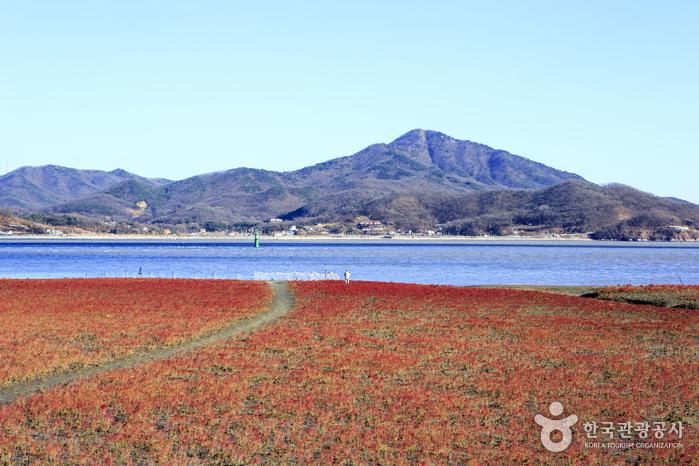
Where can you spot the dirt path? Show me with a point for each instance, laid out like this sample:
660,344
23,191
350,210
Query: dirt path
281,303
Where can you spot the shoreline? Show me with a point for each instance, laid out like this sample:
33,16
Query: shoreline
203,238
291,238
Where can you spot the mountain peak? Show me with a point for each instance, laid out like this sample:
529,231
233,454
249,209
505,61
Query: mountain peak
491,167
39,168
423,133
120,172
414,142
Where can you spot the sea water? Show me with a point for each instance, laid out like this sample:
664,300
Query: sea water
438,262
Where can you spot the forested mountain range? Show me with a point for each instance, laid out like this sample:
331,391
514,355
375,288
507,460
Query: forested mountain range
424,180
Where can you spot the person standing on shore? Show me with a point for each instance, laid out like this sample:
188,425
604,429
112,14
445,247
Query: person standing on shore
347,276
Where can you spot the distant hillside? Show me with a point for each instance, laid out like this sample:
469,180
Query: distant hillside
32,188
12,225
424,180
419,161
611,212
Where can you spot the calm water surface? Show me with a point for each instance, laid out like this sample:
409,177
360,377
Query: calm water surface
464,263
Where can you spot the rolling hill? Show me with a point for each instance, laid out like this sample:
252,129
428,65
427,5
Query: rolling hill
32,188
419,161
422,180
611,212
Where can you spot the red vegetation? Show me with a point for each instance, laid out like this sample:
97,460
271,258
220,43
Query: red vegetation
385,374
54,325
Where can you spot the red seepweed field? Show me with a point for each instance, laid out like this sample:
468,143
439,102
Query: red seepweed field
54,325
379,373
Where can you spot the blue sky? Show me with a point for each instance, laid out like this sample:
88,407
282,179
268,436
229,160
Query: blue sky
606,89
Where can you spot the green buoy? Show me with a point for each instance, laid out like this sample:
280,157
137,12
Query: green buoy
257,240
